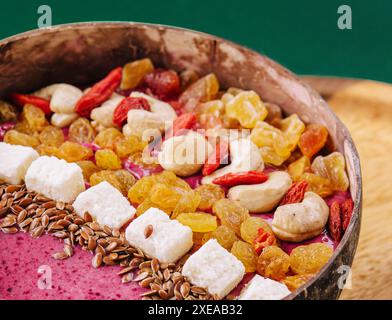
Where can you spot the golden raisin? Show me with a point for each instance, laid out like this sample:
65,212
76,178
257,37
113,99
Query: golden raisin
73,152
51,136
107,159
22,139
310,258
250,228
209,193
224,235
107,138
246,254
81,131
273,263
296,281
88,168
230,213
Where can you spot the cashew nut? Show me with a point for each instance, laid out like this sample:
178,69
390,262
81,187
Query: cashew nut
301,221
62,120
103,116
245,156
163,109
47,92
159,118
184,155
63,97
262,197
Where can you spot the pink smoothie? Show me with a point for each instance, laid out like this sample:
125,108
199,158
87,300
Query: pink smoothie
21,257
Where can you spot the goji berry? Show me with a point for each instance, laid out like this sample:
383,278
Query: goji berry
295,193
233,179
213,162
99,93
22,99
264,239
346,212
121,111
180,124
163,83
335,223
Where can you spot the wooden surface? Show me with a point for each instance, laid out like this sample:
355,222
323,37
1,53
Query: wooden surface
366,109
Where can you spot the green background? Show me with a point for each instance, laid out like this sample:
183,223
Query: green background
303,34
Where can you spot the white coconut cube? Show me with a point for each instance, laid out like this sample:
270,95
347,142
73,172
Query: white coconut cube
105,204
169,240
14,162
214,268
260,288
55,179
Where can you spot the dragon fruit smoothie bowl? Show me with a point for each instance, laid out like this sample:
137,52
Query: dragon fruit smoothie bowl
90,202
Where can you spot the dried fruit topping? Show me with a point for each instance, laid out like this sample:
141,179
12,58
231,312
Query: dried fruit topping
297,168
317,184
51,136
219,155
81,131
295,194
99,93
266,136
240,178
310,258
189,202
204,89
107,159
209,194
313,139
250,228
247,108
107,138
230,213
335,223
49,151
164,84
129,145
277,144
8,112
22,99
292,128
134,72
125,179
245,253
264,239
208,121
224,235
88,168
15,137
129,103
332,167
198,221
164,191
273,263
296,281
105,175
346,212
34,118
181,124
73,152
274,113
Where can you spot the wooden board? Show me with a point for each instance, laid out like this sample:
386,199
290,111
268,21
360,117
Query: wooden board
366,109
